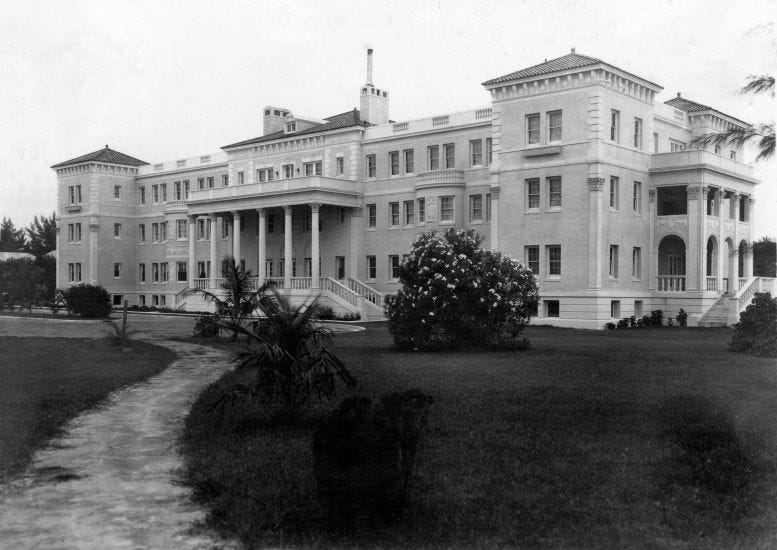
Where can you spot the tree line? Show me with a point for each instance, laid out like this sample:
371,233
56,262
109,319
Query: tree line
38,239
28,280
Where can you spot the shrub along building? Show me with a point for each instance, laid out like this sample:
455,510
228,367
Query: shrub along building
574,168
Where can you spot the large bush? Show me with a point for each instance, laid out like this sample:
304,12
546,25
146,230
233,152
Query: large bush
454,292
90,301
756,331
28,280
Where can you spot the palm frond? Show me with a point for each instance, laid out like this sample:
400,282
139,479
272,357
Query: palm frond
758,83
762,134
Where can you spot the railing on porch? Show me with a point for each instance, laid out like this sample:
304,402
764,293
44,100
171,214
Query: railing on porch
725,285
671,283
201,284
712,284
370,294
741,282
340,290
180,296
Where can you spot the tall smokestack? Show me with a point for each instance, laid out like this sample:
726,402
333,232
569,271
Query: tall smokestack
369,66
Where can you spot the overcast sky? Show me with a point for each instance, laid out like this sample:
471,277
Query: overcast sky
166,80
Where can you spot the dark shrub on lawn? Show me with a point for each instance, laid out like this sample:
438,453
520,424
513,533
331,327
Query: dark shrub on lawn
365,456
656,317
206,326
456,293
90,301
756,331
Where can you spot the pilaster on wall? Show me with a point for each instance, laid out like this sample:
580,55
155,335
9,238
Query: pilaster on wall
595,230
94,249
494,190
653,256
596,123
357,234
695,237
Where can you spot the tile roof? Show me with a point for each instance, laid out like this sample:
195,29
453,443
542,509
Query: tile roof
689,106
335,122
564,63
106,155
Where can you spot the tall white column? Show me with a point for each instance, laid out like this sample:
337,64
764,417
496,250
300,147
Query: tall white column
653,252
287,242
94,249
595,225
357,234
236,237
315,246
192,250
494,218
57,252
262,244
213,257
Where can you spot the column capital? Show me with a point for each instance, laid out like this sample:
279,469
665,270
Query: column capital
261,211
287,208
652,195
494,192
315,206
695,193
94,227
595,183
192,217
235,213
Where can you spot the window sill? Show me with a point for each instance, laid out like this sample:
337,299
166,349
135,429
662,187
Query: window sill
393,227
446,222
371,229
553,278
532,211
553,209
476,222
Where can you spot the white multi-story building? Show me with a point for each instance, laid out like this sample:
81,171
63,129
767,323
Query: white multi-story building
574,168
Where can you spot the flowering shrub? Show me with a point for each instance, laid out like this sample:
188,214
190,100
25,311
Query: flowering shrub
454,292
756,331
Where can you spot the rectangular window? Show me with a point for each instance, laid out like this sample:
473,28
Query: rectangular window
489,151
533,259
340,215
409,161
177,195
488,207
211,183
433,155
225,180
554,126
393,268
288,171
372,215
675,145
340,162
70,233
394,163
554,260
224,228
614,261
393,214
636,263
203,230
533,194
637,197
241,178
117,231
733,155
200,183
614,184
312,168
142,195
476,152
117,271
551,308
155,232
74,272
180,229
409,213
155,194
181,272
268,267
533,128
476,208
372,167
450,155
615,125
615,309
142,233
264,175
163,270
421,210
446,209
340,267
117,192
142,273
637,308
638,133
155,272
270,221
163,191
372,268
186,189
554,192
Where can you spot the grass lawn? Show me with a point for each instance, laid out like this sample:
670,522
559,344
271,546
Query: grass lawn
649,438
46,381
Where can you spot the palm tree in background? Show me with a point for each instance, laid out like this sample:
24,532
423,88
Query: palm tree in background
761,134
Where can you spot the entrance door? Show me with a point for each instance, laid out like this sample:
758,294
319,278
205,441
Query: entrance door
340,266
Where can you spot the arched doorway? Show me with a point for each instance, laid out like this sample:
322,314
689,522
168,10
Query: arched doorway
711,265
671,264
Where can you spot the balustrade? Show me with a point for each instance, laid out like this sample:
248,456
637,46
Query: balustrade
671,283
712,284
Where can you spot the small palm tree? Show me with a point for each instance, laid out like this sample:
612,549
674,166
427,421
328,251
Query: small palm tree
761,134
238,301
290,357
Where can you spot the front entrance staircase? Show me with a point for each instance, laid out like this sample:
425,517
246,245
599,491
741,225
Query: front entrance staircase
717,315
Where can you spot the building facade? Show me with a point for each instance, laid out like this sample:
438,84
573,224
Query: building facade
574,168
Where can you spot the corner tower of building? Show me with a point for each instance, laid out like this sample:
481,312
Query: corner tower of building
374,102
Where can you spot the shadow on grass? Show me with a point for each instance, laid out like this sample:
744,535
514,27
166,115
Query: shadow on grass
709,481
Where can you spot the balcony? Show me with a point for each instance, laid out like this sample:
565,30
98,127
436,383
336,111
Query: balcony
440,177
698,158
175,206
281,186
